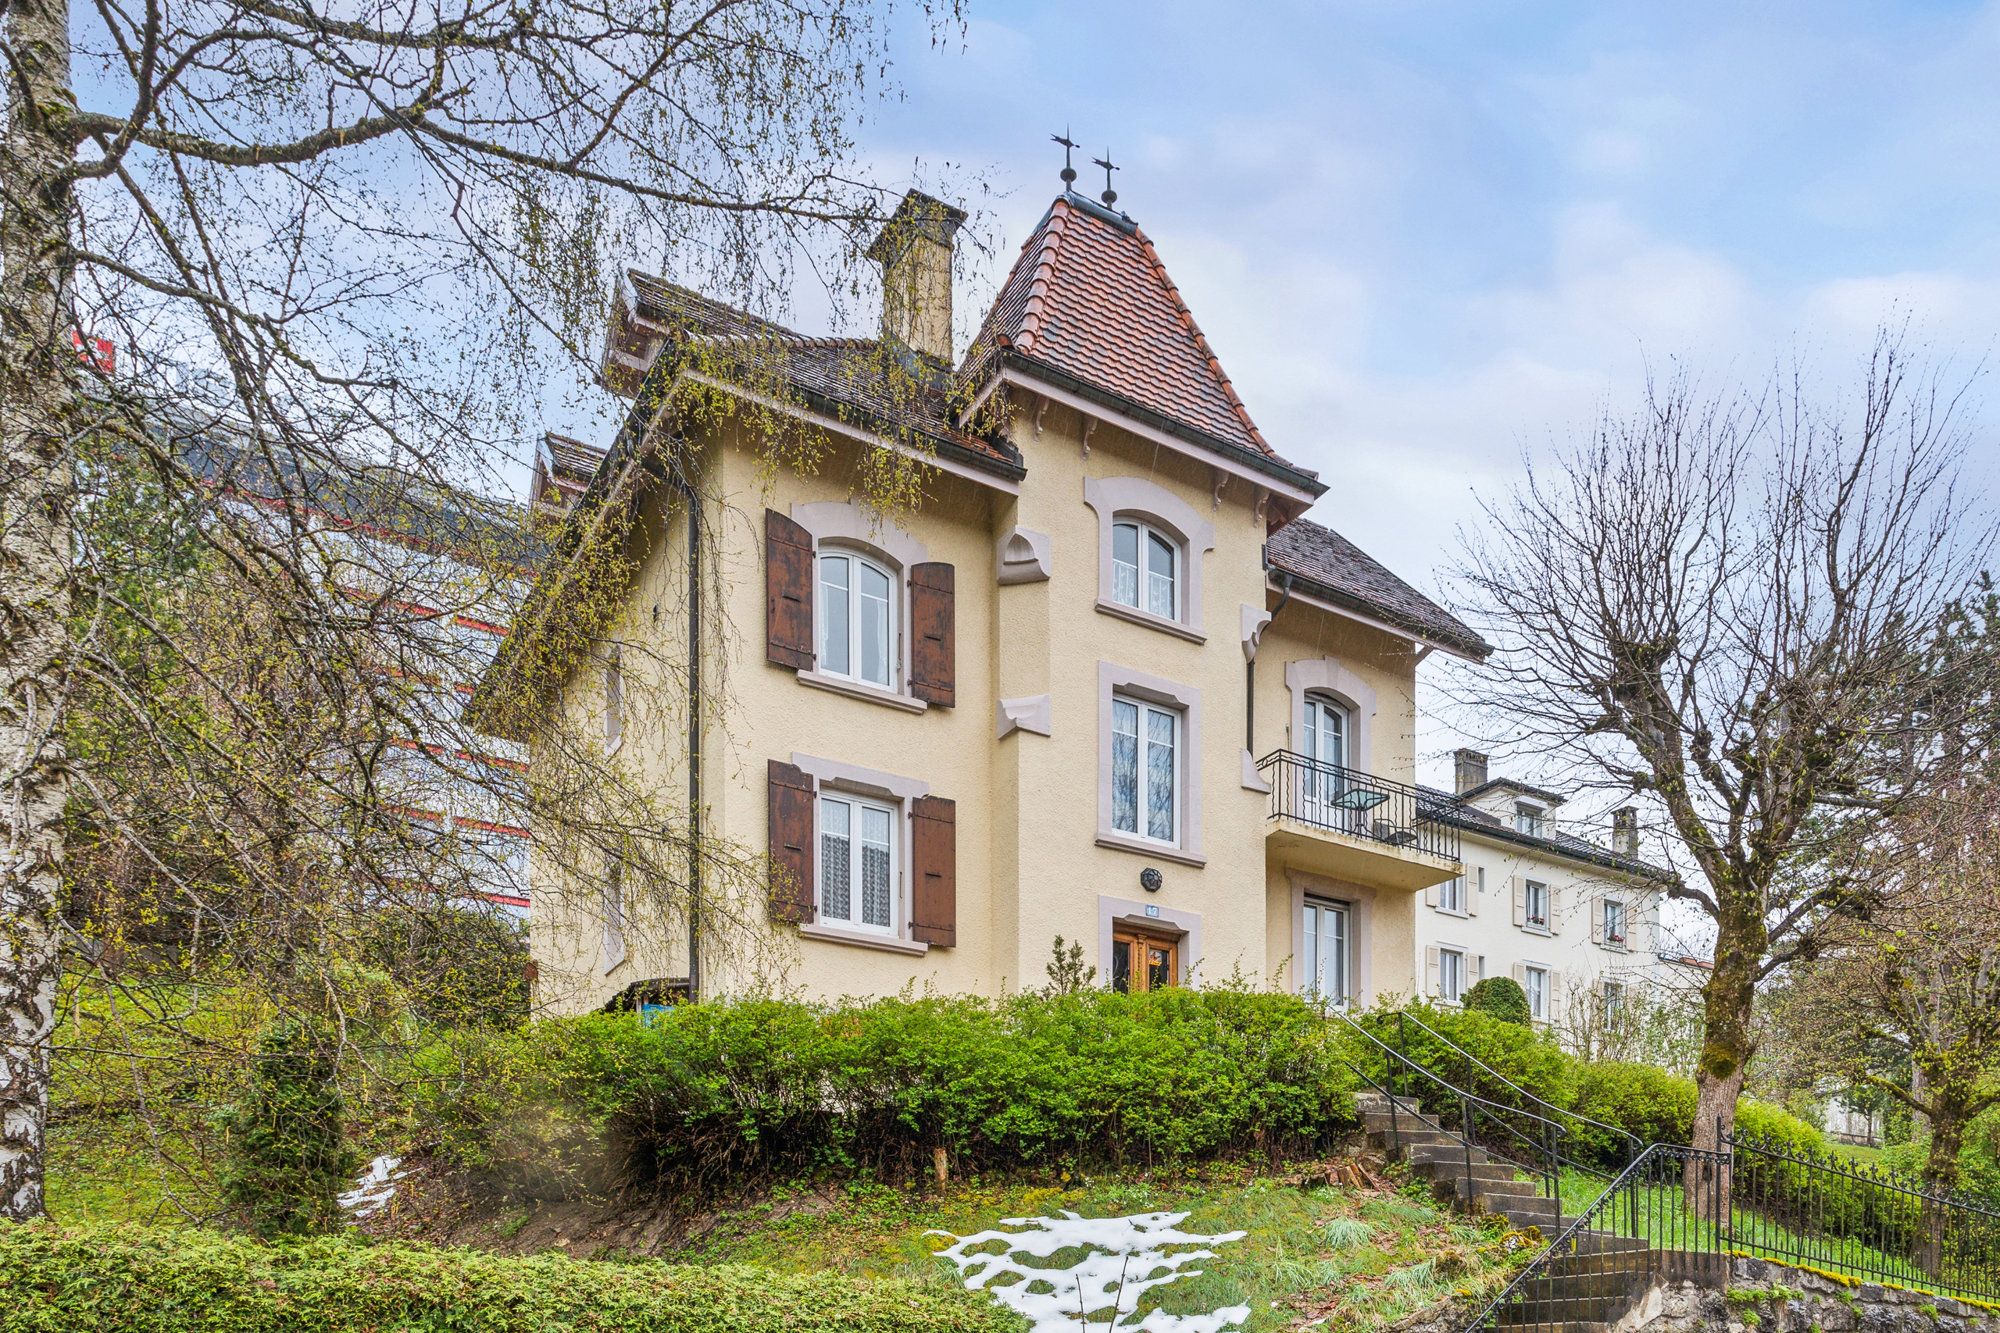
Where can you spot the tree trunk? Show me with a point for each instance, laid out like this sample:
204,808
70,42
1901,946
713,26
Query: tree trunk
1948,1124
37,370
1725,1051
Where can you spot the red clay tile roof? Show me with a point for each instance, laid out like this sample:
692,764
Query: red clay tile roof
1089,298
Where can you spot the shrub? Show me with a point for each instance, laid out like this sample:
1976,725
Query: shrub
1516,1055
287,1158
707,1093
1646,1102
1503,998
124,1280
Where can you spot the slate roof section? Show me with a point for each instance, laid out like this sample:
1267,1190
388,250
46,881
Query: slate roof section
858,380
1449,809
1089,299
1342,572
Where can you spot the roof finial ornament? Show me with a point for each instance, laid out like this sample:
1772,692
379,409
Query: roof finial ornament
1068,171
1110,196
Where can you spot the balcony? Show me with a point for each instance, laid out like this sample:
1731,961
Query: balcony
1357,826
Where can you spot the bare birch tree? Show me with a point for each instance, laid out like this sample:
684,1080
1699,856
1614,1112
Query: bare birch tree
358,243
1725,605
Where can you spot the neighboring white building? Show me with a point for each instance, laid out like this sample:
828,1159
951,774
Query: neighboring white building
448,566
1576,923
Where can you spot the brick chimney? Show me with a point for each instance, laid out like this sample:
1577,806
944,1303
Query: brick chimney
1468,770
1625,831
914,251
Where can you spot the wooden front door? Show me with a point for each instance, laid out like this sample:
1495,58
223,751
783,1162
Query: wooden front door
1143,962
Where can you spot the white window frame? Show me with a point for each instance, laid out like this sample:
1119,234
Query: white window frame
1538,1000
1531,819
1144,711
1146,533
1611,998
1463,960
1622,941
858,806
892,649
611,905
1541,926
614,701
1312,960
1451,896
1118,500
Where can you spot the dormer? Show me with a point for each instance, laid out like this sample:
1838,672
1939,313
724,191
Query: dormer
1525,809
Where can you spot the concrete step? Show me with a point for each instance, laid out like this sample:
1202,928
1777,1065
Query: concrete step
1565,1309
1621,1281
1451,1152
1526,1212
1380,1122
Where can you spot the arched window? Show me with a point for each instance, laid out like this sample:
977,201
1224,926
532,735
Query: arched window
857,619
1327,731
1145,568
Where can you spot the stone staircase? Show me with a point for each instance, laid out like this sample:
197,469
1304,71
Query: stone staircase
1586,1290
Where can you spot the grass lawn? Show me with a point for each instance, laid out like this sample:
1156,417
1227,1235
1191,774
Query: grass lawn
119,1169
1355,1259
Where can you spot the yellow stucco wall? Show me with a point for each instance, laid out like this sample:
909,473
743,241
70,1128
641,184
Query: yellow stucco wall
1030,864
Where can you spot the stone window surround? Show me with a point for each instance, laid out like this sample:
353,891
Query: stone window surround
1360,908
1113,912
1114,679
855,780
1329,676
1113,498
844,523
1548,987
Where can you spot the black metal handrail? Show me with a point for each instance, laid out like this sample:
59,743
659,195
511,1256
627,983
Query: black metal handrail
1532,1148
1632,1143
1639,1230
1356,804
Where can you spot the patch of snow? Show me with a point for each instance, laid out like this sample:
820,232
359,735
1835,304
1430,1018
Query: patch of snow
1123,1259
373,1188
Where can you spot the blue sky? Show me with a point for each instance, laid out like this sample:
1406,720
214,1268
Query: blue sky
1427,240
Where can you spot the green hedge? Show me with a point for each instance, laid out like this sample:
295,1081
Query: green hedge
711,1093
134,1280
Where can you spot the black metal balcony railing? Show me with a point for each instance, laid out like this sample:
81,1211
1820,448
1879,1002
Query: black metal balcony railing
1357,805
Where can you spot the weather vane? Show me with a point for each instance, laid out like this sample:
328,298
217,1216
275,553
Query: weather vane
1068,171
1110,196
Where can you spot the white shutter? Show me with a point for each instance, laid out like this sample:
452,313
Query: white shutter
1479,968
1431,971
1554,910
1519,889
1521,975
1597,920
1472,886
1430,895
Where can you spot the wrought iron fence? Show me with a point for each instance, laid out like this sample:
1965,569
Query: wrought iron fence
1359,805
1824,1210
1677,1212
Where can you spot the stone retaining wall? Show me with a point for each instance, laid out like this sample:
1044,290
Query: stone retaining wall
1771,1298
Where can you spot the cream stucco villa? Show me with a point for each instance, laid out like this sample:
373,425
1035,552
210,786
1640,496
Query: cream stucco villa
1102,680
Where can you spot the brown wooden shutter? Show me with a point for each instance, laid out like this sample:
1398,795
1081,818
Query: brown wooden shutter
788,592
935,642
934,895
791,793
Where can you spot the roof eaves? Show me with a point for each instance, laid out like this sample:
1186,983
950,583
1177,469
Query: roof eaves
1446,808
1469,646
1268,464
1512,784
